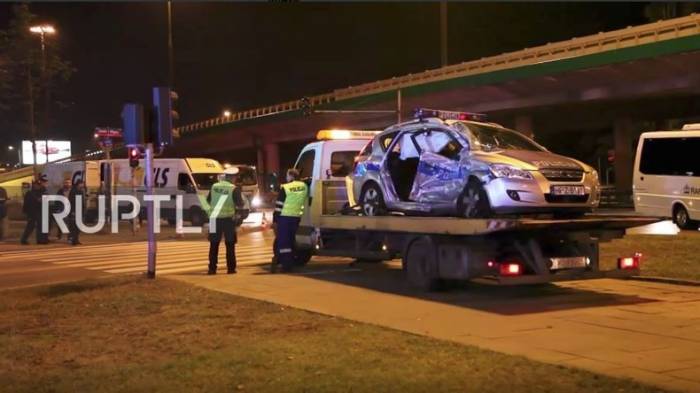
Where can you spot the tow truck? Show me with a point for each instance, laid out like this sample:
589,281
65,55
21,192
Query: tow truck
433,250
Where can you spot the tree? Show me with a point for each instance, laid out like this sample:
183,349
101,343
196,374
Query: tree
25,85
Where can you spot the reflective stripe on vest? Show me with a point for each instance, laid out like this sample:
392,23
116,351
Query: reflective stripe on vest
296,193
222,190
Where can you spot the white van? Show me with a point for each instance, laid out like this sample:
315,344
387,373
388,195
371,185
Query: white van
87,171
190,177
667,175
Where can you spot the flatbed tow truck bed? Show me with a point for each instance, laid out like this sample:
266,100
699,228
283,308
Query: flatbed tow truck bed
466,227
502,251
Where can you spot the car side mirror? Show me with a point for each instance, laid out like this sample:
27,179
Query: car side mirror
189,189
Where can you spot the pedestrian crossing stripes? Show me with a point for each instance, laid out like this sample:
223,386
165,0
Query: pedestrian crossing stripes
173,256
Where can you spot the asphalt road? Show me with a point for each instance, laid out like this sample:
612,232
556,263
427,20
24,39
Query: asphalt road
22,266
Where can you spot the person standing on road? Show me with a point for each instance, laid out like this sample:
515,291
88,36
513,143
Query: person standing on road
3,211
289,208
32,210
76,198
56,207
227,196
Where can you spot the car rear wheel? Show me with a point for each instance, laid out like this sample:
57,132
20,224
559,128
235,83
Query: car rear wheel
682,219
474,203
372,200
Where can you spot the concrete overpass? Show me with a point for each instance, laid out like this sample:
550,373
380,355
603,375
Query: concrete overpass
589,97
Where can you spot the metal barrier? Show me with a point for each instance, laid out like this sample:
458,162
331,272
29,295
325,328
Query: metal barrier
575,47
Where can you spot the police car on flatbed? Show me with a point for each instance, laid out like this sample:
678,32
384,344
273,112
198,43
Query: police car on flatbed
433,249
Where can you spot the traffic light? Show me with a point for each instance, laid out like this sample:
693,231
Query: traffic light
163,115
133,124
134,156
306,106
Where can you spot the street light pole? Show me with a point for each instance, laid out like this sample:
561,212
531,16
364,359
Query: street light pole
171,61
443,33
32,128
42,31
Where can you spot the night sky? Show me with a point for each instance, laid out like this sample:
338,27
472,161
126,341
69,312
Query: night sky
243,55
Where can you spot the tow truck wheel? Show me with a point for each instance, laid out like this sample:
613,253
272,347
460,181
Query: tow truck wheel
474,203
420,264
372,200
302,257
682,219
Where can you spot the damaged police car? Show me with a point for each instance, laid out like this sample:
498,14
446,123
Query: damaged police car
456,163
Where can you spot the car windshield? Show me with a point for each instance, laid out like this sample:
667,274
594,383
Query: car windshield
204,181
496,138
246,176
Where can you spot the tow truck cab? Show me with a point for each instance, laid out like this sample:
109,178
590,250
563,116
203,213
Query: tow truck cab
502,251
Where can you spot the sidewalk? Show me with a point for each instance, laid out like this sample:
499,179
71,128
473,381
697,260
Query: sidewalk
646,331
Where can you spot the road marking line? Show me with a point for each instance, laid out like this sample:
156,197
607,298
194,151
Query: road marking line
203,254
79,254
142,258
114,246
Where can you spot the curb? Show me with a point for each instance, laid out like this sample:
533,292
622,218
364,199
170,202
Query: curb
664,280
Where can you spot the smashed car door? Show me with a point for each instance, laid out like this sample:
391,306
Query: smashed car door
441,175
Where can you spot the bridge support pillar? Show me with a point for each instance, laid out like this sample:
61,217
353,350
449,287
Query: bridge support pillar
624,155
523,124
268,162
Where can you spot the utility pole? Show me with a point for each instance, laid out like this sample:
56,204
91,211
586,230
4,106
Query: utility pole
42,31
32,127
443,33
398,106
171,59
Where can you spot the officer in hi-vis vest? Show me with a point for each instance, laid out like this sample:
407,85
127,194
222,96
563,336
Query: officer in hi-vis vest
224,197
292,199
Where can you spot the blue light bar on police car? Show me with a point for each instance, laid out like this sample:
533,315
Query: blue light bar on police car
422,113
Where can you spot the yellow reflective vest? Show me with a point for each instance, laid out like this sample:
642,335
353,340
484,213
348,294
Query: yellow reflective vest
296,193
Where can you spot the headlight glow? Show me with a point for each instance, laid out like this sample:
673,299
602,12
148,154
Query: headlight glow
509,172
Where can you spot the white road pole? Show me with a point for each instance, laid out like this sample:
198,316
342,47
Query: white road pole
151,273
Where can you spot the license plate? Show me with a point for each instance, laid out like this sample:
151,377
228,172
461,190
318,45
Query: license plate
568,263
568,190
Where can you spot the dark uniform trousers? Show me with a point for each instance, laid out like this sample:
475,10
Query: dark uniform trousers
226,228
284,240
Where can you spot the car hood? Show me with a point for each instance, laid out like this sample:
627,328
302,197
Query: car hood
532,160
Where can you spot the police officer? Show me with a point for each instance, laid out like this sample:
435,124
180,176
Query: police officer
76,198
56,207
292,199
226,195
32,209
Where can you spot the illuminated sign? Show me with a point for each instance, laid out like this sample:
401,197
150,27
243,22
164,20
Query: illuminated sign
46,151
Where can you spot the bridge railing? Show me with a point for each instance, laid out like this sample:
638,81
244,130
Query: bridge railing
575,47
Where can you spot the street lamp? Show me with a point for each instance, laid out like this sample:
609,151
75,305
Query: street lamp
43,30
10,148
227,113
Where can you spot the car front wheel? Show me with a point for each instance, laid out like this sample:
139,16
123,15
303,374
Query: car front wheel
372,200
474,203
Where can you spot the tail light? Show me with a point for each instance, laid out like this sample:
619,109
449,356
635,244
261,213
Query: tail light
510,269
629,262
